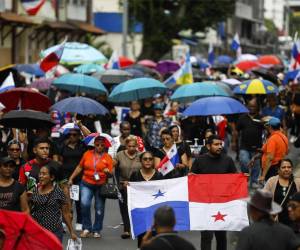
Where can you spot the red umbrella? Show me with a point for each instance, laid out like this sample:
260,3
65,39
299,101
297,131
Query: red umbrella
24,98
148,63
247,65
269,59
24,233
125,61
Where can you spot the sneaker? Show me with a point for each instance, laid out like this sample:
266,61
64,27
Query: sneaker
96,235
85,233
78,227
125,235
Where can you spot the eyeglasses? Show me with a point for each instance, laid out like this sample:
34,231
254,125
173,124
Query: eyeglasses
292,206
14,149
147,158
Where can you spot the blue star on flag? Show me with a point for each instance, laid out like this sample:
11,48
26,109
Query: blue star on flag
158,194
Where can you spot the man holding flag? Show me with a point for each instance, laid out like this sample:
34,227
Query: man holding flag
214,162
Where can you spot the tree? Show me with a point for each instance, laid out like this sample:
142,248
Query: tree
162,20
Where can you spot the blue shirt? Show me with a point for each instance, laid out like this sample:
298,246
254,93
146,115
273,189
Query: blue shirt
277,112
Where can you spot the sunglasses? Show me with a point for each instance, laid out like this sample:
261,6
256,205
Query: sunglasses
292,206
147,159
14,149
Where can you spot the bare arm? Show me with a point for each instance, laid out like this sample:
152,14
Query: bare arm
67,217
156,161
76,172
266,166
24,203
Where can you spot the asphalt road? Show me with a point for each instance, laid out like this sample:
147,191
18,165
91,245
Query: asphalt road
112,230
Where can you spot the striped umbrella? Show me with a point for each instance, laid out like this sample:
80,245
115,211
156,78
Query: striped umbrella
90,139
256,86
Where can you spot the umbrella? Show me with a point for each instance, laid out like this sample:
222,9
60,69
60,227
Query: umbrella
192,92
147,63
224,59
256,86
136,89
26,119
232,81
125,61
42,83
247,57
65,129
90,139
75,83
148,72
80,105
247,65
24,98
136,73
215,105
266,74
22,232
89,68
167,66
18,78
113,76
224,86
32,69
269,59
60,70
77,53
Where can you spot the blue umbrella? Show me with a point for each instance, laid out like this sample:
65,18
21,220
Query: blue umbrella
256,86
80,105
75,83
192,92
224,59
215,105
89,68
32,69
136,89
77,53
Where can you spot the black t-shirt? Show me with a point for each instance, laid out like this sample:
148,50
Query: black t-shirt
137,176
10,196
71,157
136,125
168,242
207,164
185,148
250,132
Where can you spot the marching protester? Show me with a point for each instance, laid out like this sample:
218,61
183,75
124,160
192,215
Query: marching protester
213,162
166,238
49,204
283,186
134,117
126,162
119,141
294,212
264,233
94,165
14,152
12,194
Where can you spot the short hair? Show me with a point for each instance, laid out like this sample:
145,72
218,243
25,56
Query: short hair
124,123
146,152
130,138
39,140
287,160
211,139
164,217
14,141
166,132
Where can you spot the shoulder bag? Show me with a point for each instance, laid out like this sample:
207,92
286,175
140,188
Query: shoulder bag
111,190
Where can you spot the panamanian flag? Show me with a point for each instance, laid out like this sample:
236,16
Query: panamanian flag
32,7
201,202
236,45
168,163
8,83
113,62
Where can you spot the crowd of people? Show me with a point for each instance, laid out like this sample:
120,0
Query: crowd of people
37,169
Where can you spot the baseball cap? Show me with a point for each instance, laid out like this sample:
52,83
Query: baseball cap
273,122
7,159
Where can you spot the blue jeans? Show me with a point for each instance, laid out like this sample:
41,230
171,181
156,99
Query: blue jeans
87,192
245,157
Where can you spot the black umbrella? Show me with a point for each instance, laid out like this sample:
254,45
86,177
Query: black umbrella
266,74
26,119
113,76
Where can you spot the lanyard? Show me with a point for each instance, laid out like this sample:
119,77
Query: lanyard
96,160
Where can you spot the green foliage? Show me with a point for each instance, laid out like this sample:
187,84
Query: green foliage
99,45
270,25
162,20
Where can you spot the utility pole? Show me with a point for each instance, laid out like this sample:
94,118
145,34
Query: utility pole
125,27
287,17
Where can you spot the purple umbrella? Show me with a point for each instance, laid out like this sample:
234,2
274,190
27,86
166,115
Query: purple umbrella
167,66
42,83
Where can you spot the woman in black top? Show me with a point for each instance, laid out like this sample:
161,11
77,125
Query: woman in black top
134,118
14,152
181,168
49,203
70,155
146,173
12,193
